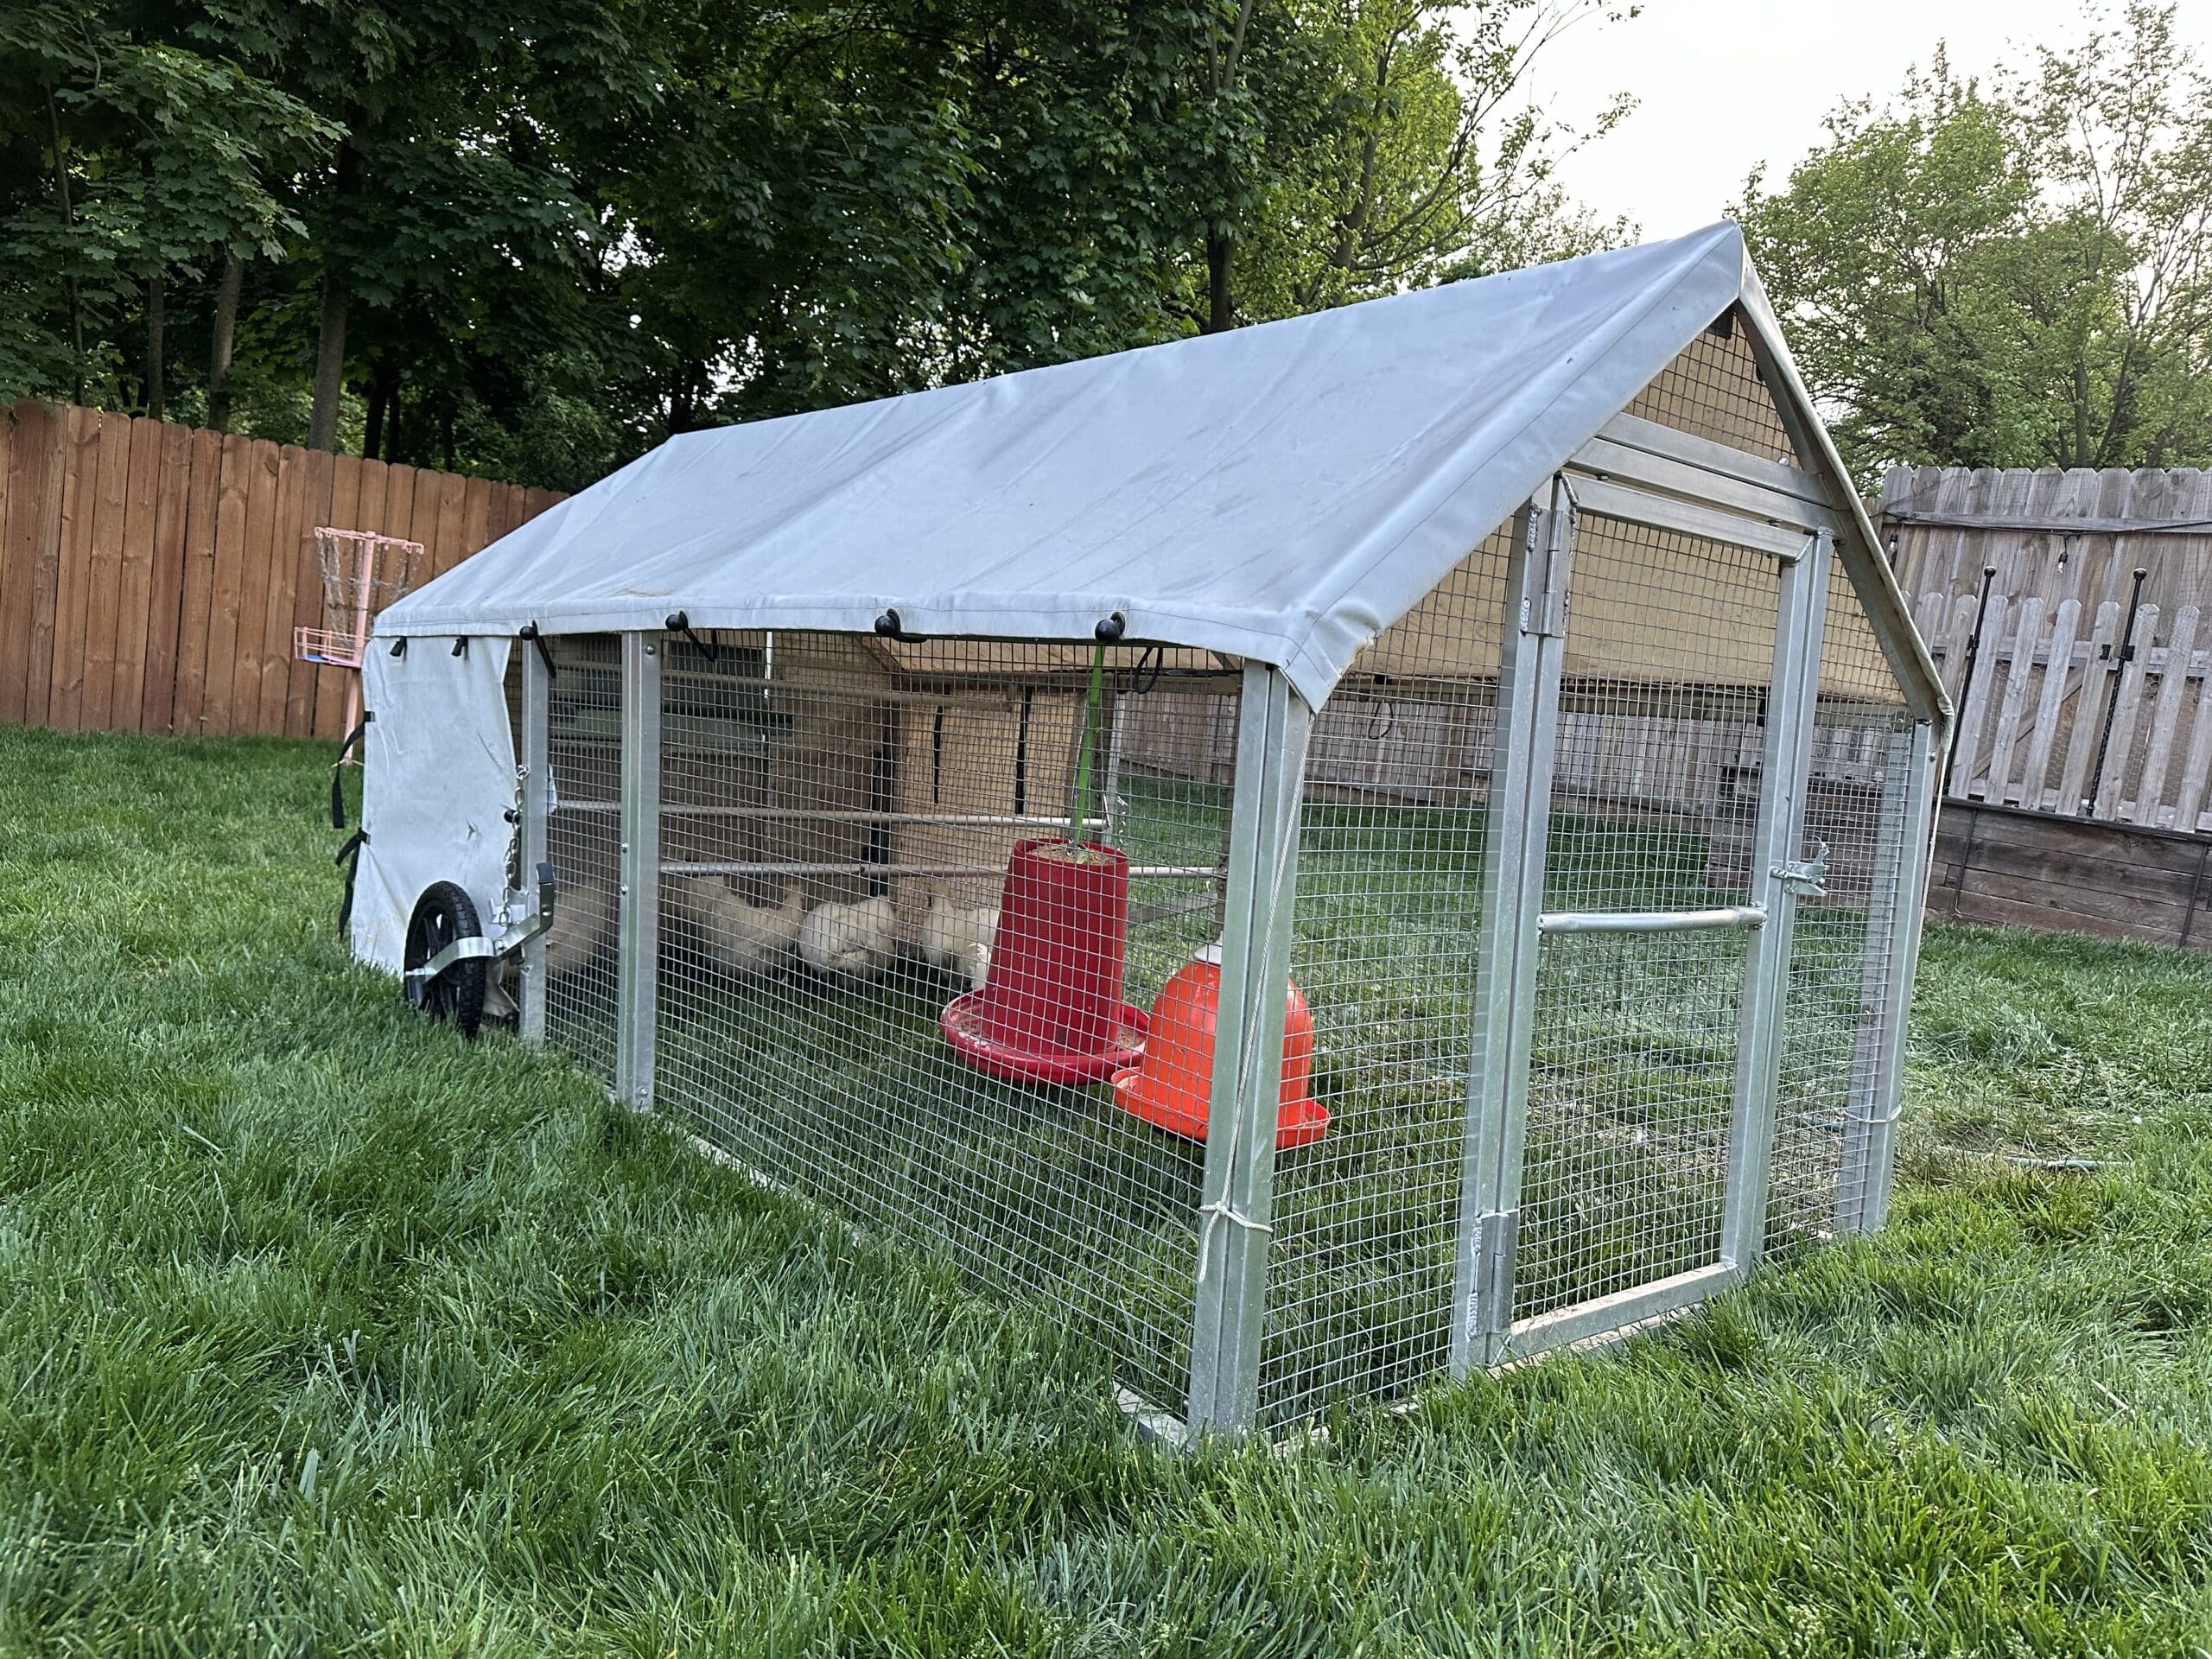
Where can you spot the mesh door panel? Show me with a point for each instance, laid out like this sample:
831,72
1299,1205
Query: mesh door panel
1386,929
1654,797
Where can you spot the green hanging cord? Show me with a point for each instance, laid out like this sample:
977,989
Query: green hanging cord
1081,795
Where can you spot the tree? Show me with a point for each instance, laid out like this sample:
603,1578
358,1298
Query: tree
534,237
1421,160
152,154
2008,275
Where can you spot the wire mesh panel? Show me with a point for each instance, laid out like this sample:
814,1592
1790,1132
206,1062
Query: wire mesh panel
1846,948
1387,924
1716,390
1654,796
583,836
891,979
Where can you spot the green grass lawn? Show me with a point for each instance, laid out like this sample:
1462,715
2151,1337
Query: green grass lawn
324,1331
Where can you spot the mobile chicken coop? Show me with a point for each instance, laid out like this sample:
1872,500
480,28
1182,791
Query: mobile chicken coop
1484,709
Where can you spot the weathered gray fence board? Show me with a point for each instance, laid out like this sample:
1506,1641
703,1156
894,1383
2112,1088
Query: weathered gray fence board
2049,682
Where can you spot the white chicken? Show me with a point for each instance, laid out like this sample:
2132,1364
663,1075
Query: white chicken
583,921
957,938
742,938
852,941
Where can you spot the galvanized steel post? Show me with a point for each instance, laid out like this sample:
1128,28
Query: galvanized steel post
638,926
1537,587
1235,1211
1785,760
534,762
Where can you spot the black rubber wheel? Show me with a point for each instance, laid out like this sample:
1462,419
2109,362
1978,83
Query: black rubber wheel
444,913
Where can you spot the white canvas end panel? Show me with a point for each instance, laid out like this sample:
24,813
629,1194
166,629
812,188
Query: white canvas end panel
440,763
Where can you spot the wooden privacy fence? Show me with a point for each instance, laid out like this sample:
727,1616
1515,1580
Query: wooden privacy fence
2051,686
151,574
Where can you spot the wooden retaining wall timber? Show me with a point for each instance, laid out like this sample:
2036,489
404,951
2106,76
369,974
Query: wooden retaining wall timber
2006,865
151,574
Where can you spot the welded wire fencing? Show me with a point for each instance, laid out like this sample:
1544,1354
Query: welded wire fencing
1535,985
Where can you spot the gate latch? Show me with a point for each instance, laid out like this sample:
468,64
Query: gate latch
1808,878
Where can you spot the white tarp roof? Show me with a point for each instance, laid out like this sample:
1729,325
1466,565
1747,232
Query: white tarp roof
1283,491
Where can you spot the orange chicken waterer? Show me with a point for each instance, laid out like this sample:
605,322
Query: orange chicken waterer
1170,1086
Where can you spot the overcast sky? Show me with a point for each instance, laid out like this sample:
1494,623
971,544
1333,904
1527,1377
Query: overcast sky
1723,84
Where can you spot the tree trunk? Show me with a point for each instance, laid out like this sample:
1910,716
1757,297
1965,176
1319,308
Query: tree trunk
2081,411
329,364
220,343
384,382
330,339
69,224
445,434
156,389
1221,312
684,395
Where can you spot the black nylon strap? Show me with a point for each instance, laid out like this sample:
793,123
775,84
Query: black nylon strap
337,772
349,855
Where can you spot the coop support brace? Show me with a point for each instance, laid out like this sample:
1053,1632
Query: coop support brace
533,800
1777,877
638,911
1536,579
1236,1209
1917,838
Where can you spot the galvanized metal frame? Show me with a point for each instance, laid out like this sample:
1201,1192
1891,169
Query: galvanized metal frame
1917,848
1650,921
1889,614
1604,499
638,914
1709,473
1784,763
1488,1241
535,763
1561,1327
1721,465
1536,587
1235,1212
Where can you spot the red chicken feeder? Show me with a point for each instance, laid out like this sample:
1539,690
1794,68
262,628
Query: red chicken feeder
1170,1088
1051,1008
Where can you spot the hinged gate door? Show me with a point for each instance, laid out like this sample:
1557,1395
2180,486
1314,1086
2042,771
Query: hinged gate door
1644,857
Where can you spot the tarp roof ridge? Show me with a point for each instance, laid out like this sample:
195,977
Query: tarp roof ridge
1657,297
1367,450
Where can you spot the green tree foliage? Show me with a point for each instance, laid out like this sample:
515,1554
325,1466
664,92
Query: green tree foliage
129,152
533,237
2013,275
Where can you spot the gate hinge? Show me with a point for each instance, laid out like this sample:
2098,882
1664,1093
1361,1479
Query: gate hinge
1808,878
1497,1237
1548,552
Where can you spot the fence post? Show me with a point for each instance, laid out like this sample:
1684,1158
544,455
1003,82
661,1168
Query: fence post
536,766
1236,1213
637,934
1518,830
1776,843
